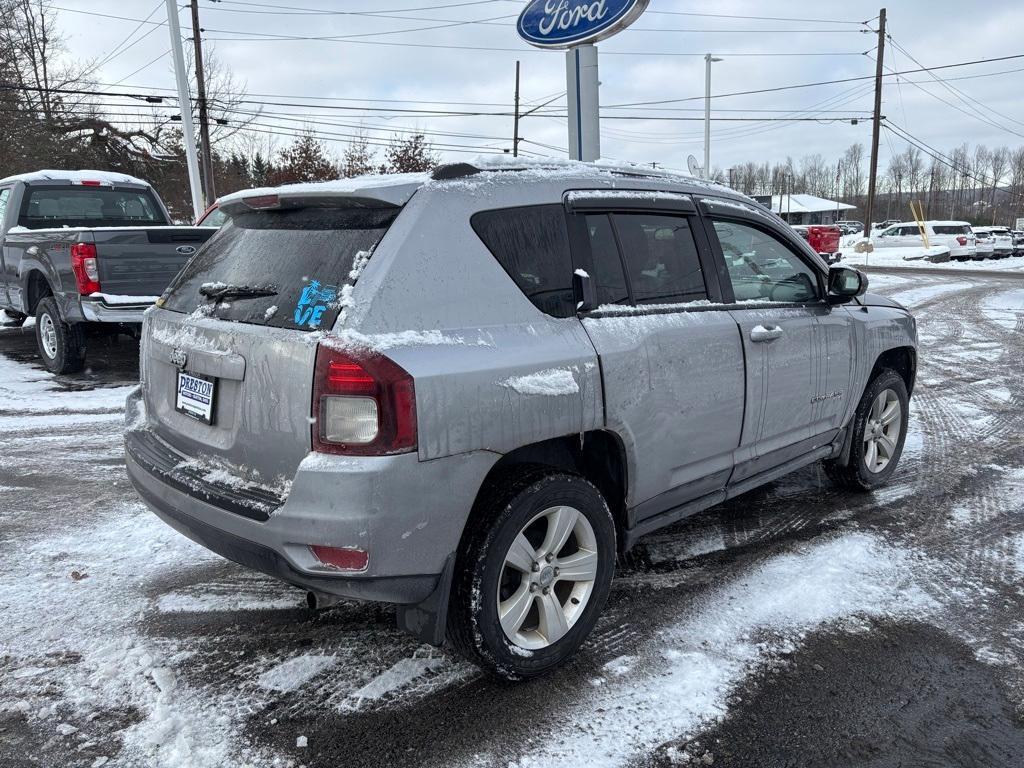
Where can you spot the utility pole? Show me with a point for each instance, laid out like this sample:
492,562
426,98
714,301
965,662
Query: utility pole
876,126
515,125
204,117
187,129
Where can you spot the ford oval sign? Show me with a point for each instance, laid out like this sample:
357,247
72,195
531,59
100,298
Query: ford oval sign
565,23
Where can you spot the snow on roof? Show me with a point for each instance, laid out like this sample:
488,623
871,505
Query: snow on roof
75,177
806,204
398,188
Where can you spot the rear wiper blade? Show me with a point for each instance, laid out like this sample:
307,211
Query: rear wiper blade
218,291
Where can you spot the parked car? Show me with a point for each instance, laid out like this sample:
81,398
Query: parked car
1018,242
83,250
464,393
823,238
1002,241
884,224
213,216
985,244
956,235
851,227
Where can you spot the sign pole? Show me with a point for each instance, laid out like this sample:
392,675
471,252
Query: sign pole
582,88
187,128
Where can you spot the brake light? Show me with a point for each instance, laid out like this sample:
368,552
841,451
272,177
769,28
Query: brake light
262,202
85,267
363,405
962,240
91,183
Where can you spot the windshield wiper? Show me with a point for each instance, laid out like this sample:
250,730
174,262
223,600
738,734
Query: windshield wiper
220,291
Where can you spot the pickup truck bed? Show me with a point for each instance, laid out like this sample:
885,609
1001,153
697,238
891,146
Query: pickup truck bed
75,277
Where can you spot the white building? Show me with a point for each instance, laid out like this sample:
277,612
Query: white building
806,209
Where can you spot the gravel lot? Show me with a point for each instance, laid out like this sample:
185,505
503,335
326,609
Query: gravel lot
797,625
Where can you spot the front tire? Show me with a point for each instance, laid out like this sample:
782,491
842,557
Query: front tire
879,433
534,574
61,345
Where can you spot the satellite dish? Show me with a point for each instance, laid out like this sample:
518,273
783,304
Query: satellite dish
694,167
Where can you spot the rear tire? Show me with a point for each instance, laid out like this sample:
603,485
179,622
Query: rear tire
876,448
514,611
61,345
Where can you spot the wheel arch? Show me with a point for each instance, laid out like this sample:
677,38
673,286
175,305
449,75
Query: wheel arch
37,288
597,455
903,360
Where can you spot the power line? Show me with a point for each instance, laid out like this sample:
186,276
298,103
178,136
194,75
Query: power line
820,82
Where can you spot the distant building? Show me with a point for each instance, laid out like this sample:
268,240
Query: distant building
805,209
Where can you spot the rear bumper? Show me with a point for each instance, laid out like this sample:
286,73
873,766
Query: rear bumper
98,311
409,515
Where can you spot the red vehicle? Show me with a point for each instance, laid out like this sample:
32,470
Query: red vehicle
823,238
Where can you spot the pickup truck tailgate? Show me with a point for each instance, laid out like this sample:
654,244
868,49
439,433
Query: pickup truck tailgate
142,262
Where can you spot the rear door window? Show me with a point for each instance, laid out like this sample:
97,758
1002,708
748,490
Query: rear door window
532,245
608,276
47,207
301,257
952,229
661,259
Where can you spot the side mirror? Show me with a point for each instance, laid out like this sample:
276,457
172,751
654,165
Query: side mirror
584,290
845,283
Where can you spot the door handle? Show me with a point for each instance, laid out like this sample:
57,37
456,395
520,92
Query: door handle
760,333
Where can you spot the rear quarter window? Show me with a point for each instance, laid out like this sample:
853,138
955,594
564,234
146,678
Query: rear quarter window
303,256
954,229
532,245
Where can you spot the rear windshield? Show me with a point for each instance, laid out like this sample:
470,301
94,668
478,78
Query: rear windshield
952,229
78,206
301,257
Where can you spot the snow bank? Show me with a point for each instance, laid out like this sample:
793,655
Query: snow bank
553,381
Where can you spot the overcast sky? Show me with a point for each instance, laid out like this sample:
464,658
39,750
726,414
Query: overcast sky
659,58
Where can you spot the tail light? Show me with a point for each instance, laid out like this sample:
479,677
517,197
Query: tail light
962,240
363,405
85,267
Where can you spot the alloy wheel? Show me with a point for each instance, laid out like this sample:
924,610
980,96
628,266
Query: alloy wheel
882,431
547,577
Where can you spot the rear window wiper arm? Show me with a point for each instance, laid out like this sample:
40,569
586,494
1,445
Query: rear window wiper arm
219,291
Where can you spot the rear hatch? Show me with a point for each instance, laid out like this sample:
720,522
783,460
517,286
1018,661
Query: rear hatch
243,317
142,262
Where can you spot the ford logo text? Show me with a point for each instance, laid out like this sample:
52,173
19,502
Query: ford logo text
566,23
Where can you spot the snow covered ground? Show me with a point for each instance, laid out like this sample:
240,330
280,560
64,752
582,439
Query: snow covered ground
124,644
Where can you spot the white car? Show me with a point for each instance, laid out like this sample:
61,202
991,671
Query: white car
955,235
986,243
1002,241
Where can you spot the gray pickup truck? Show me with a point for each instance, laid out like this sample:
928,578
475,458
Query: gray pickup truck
82,251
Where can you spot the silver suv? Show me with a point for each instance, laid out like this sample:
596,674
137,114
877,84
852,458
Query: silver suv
466,393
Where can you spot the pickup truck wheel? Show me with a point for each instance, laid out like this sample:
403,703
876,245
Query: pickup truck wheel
533,575
879,432
61,345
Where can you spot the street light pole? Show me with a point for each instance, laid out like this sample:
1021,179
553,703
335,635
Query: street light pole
708,59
